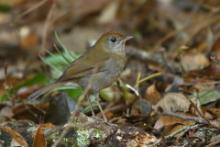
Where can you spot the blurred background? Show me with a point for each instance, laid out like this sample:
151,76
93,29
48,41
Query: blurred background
162,28
175,54
27,27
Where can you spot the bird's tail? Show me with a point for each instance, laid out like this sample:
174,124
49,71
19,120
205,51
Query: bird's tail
45,90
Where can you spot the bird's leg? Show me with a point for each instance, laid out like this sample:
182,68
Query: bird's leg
90,104
100,108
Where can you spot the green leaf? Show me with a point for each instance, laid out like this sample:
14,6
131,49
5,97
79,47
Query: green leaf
58,62
38,78
206,97
5,8
74,93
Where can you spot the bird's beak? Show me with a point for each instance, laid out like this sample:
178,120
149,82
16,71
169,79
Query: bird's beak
127,38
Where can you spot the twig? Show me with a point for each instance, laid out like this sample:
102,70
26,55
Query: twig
33,8
183,130
215,141
190,26
185,117
146,78
150,77
137,80
47,24
81,98
64,132
139,53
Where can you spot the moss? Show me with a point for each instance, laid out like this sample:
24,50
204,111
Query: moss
82,138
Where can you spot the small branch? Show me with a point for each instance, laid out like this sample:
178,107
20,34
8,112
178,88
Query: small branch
185,117
150,77
183,130
216,140
33,8
139,81
80,99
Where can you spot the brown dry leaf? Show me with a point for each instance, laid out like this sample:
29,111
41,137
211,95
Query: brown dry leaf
27,111
109,13
216,47
173,102
175,128
212,3
15,135
202,86
39,138
142,140
24,92
82,8
194,61
152,94
165,121
77,39
28,39
215,54
9,37
215,123
214,141
6,111
214,111
141,107
4,18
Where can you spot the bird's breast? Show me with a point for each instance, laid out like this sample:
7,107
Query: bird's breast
108,74
114,66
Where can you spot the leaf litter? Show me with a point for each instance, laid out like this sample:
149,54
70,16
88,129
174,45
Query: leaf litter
168,94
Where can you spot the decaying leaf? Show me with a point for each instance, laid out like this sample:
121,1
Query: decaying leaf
39,137
173,102
152,94
194,61
208,96
109,13
18,138
165,121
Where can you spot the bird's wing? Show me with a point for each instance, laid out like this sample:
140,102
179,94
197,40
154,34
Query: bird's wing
87,64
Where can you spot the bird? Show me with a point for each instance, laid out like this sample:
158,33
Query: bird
100,66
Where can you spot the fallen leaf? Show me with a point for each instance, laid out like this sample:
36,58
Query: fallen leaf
173,102
208,96
141,108
27,111
82,8
15,135
39,138
194,61
109,13
165,121
141,140
214,111
216,50
79,37
152,94
6,112
215,123
28,39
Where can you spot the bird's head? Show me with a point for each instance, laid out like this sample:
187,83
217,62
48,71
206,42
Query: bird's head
113,42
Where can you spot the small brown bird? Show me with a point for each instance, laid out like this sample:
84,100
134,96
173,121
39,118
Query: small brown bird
101,65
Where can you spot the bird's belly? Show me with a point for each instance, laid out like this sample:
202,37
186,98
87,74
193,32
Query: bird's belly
102,79
99,80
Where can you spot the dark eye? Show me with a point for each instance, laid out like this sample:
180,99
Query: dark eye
113,39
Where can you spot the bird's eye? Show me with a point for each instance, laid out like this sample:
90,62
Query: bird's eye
113,39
